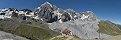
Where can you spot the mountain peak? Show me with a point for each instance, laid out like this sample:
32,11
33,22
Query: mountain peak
70,10
47,3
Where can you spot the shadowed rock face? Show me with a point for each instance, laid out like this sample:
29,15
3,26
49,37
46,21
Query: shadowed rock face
52,14
46,11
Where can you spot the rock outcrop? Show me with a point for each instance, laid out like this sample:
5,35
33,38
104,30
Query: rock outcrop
85,27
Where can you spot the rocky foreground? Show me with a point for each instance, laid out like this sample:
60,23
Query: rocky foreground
8,36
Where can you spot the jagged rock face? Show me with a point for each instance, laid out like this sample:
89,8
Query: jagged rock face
14,13
52,14
85,27
45,11
65,17
6,13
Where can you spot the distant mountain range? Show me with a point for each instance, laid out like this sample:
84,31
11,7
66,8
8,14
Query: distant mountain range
48,21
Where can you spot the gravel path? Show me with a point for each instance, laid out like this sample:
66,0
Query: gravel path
66,37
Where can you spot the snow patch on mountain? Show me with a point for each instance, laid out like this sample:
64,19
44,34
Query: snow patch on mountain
47,3
84,16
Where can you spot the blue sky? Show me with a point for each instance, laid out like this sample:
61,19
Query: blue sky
104,9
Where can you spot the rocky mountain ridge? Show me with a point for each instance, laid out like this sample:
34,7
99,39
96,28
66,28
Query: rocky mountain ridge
47,12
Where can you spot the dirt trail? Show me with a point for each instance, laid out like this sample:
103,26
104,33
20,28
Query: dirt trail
73,38
56,37
66,37
70,37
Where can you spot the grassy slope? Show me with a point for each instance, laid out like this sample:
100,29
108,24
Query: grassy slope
30,32
108,28
33,32
118,25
